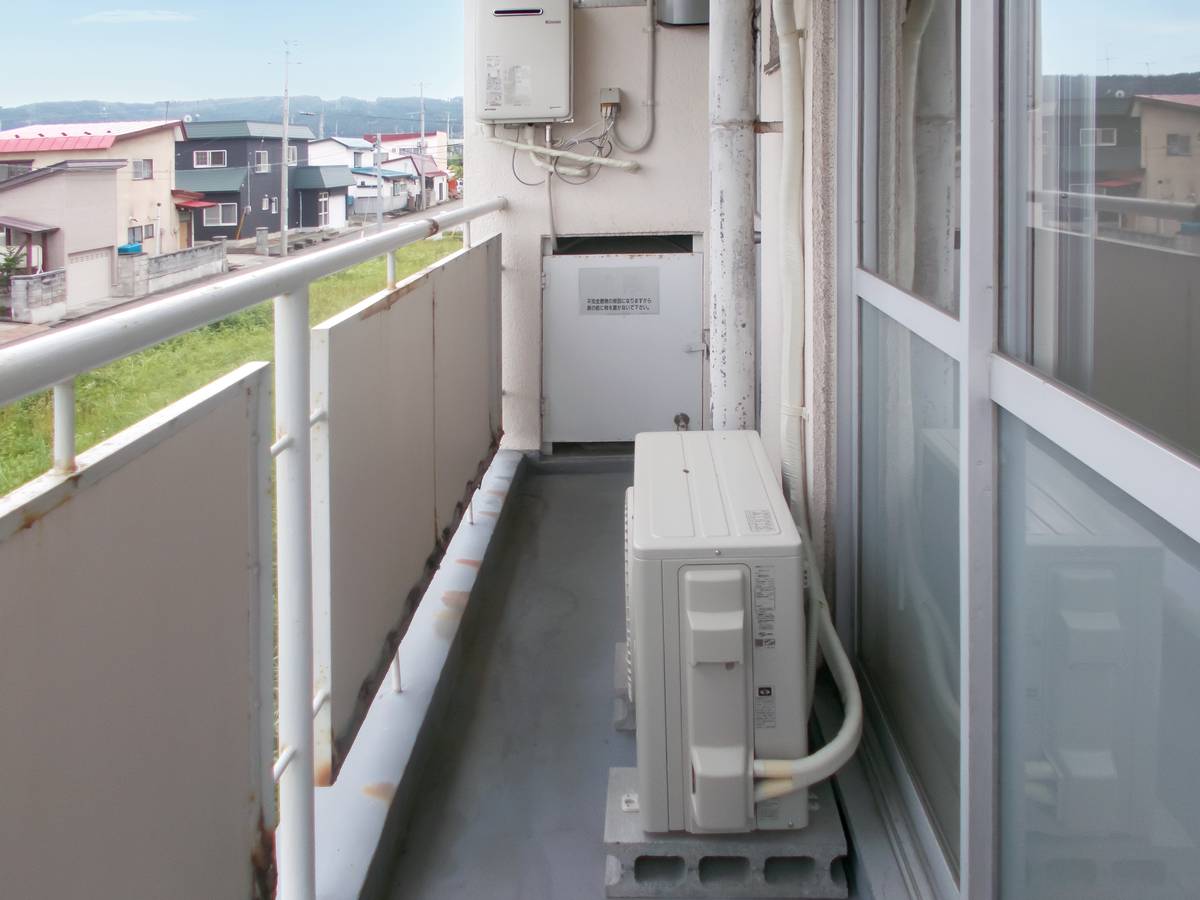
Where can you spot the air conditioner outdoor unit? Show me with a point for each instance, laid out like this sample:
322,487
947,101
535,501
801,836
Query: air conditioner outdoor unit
716,633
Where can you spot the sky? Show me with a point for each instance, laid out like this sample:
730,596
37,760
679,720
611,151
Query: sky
1120,37
119,50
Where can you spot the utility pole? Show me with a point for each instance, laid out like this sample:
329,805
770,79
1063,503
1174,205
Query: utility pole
283,168
421,151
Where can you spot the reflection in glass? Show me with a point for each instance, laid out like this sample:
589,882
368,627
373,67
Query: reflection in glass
918,160
908,597
1102,201
1099,672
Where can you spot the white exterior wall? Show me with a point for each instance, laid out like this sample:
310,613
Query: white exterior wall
669,194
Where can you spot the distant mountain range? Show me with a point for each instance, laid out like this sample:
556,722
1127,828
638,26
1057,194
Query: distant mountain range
348,116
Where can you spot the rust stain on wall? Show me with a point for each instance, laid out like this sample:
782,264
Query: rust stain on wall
383,791
456,599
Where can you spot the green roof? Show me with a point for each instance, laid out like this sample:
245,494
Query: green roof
214,181
304,178
243,129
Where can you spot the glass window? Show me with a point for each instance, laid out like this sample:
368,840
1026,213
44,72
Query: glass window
262,161
1102,205
143,169
293,154
916,166
208,159
909,591
1099,663
222,214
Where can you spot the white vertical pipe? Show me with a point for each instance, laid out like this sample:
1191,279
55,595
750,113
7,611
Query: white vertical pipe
296,840
732,286
391,269
64,426
793,430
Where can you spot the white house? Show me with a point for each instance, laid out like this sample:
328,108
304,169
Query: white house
437,179
350,152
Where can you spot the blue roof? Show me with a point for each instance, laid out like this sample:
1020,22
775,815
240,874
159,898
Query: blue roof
386,173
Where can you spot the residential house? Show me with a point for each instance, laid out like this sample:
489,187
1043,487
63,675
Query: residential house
1089,144
341,151
399,189
437,179
144,209
60,218
436,144
236,167
1170,148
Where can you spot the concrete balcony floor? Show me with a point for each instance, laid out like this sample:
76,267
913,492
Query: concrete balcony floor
511,804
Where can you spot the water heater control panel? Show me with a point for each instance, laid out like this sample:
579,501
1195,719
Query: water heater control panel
523,62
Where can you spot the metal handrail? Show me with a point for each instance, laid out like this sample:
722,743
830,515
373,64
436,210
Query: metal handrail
56,358
40,363
1159,209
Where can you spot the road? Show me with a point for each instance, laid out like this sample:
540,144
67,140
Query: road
239,264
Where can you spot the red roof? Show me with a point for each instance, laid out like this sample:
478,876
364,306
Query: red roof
1176,99
38,144
76,135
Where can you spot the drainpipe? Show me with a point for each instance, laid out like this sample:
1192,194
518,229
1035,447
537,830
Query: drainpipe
732,286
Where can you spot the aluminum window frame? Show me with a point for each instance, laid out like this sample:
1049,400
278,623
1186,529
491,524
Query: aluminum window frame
208,157
262,161
1151,472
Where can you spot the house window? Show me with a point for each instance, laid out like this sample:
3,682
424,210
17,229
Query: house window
1179,145
1097,137
209,159
293,154
143,169
266,203
222,214
147,232
323,209
134,234
360,158
275,204
262,161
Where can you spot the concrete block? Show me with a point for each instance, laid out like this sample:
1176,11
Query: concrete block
806,864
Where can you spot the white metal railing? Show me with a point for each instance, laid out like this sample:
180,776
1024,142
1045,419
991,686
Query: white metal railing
55,359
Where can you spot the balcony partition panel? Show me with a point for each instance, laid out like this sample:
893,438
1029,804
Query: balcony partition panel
135,660
405,392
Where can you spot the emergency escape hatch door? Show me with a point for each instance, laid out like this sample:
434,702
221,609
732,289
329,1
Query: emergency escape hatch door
622,345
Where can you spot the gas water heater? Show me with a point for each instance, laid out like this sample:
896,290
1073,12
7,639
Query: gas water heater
715,632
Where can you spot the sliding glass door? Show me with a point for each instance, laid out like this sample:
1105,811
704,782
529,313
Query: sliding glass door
1019,555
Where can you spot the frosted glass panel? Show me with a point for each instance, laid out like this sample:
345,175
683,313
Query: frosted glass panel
908,606
1099,686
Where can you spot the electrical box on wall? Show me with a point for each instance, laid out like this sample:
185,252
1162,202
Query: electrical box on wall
523,63
683,12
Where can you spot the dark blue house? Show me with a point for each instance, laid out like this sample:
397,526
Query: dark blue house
236,166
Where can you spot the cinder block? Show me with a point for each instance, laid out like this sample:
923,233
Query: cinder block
807,864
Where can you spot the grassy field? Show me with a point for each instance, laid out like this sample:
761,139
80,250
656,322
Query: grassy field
121,393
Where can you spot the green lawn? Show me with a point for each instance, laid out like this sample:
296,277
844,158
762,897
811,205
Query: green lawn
126,391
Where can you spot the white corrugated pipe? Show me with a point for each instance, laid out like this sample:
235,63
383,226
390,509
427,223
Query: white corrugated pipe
732,284
783,776
791,189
